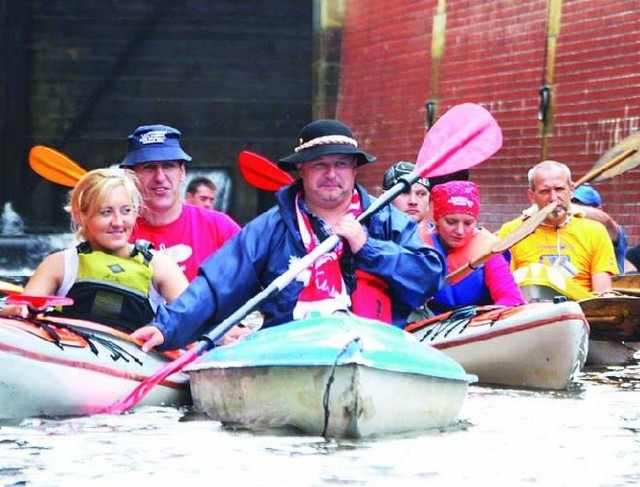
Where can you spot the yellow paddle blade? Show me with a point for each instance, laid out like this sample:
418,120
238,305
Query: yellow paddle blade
10,288
622,157
55,166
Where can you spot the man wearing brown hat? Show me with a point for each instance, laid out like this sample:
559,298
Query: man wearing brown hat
187,233
380,269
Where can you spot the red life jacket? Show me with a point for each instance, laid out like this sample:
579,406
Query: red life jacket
370,298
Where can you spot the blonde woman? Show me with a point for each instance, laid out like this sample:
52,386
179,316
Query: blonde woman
111,280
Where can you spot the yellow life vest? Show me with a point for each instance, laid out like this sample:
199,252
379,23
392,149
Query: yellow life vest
111,289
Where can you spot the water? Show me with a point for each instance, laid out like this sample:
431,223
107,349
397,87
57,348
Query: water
588,436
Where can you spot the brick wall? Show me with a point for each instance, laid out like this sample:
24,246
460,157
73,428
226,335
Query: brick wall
498,54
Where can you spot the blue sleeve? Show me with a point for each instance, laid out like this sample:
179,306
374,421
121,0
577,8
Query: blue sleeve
225,282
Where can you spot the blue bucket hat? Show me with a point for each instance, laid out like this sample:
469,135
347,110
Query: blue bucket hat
587,195
321,138
150,143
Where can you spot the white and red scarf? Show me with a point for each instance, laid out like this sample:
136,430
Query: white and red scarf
324,288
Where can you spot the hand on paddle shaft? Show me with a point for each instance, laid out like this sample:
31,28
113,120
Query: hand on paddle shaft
463,137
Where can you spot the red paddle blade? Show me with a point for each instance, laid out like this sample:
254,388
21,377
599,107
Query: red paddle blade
39,302
139,393
261,173
464,136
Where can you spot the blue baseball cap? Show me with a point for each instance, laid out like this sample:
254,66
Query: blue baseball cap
587,195
150,143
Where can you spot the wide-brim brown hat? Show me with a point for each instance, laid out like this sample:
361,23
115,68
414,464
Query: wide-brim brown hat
323,137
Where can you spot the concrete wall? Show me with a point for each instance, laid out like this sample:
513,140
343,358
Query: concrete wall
231,75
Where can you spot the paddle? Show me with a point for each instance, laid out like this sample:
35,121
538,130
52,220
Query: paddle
261,173
621,158
611,168
55,166
39,303
464,136
10,288
524,230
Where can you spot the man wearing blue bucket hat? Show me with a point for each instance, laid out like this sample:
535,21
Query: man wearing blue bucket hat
187,233
381,269
589,201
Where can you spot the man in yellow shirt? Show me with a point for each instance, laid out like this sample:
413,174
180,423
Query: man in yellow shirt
579,247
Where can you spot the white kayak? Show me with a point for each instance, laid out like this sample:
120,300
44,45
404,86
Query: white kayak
536,345
614,320
338,376
65,367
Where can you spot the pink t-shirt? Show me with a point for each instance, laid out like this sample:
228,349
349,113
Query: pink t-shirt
189,240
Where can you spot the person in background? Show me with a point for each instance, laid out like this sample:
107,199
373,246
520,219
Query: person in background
579,247
415,201
111,280
456,207
201,191
381,269
589,201
187,233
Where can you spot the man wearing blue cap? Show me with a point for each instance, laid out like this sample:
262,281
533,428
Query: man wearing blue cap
589,201
381,269
187,233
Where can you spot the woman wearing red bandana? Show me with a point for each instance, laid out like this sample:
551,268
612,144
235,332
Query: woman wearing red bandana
456,206
381,268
